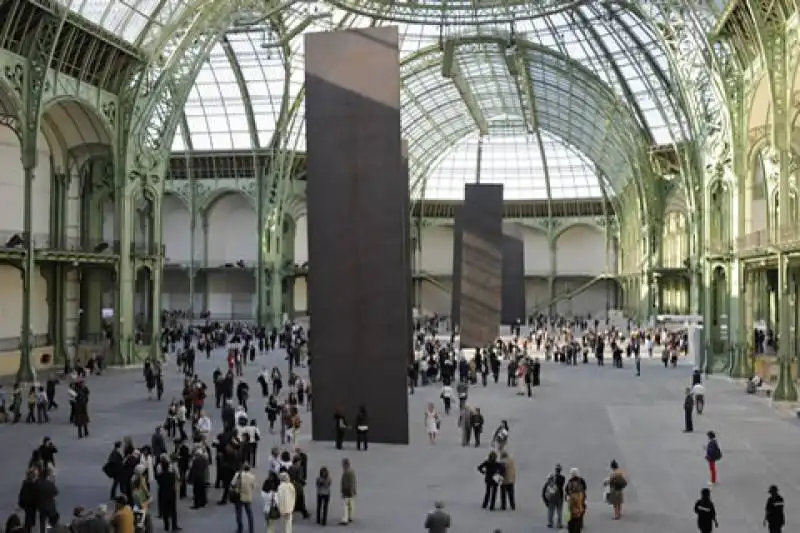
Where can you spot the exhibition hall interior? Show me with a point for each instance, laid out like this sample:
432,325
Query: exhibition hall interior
156,157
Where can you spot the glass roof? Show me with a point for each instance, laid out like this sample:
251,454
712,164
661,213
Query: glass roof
136,21
598,78
517,163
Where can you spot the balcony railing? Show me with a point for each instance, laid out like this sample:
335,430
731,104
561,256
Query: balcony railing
719,246
11,344
763,240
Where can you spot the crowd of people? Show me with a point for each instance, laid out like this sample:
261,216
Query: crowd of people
188,458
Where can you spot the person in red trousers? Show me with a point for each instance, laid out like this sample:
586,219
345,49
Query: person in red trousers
713,455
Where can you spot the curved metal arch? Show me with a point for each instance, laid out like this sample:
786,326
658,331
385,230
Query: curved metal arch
181,198
623,83
207,203
581,223
295,207
85,106
420,64
245,92
10,100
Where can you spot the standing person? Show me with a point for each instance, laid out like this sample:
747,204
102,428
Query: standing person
323,495
509,479
706,513
244,485
286,495
348,491
575,494
615,485
437,521
713,454
447,397
432,422
362,428
688,407
553,497
774,517
492,471
339,425
699,393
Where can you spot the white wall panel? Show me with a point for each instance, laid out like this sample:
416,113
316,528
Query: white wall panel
41,193
536,293
581,250
109,221
593,301
537,252
219,299
232,230
437,251
176,230
436,297
72,307
74,208
300,295
231,294
758,215
11,183
301,241
11,303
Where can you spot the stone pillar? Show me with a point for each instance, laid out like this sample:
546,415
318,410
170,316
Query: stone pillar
785,390
125,275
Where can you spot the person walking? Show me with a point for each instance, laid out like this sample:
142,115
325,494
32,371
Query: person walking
706,513
348,491
437,520
688,407
699,394
713,455
615,485
243,485
492,471
774,517
509,479
323,495
553,497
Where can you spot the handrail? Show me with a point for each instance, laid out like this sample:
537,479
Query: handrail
572,292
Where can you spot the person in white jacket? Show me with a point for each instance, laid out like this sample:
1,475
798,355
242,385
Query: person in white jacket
286,499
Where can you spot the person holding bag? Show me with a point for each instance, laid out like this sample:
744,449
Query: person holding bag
269,492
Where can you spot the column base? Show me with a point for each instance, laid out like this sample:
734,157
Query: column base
785,390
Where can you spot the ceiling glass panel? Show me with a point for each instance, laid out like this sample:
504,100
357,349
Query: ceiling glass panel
515,162
216,114
132,20
605,105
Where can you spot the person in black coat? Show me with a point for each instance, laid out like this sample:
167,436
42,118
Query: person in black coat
46,493
492,471
705,511
26,500
774,517
113,468
362,428
197,478
167,480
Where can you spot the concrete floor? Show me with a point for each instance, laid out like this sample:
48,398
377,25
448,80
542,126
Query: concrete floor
581,417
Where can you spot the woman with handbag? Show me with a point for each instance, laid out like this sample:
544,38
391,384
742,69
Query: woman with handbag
269,492
432,422
362,428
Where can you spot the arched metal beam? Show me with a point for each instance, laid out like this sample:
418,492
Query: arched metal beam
245,92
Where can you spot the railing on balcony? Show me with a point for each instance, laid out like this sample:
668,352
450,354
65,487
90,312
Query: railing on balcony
782,237
140,249
719,247
11,344
754,241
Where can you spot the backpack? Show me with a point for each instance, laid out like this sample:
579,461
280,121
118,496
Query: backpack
714,453
551,489
619,482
